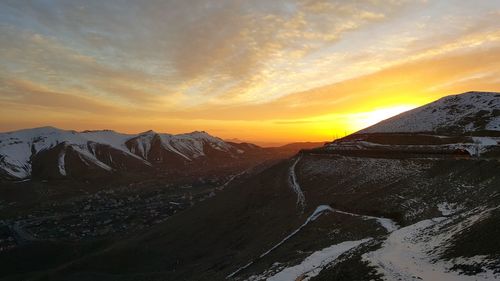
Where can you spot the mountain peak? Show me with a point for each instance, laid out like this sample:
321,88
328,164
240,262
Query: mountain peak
46,128
466,112
479,92
198,133
148,132
470,96
98,131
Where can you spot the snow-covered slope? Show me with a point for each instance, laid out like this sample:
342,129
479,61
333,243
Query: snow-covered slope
191,145
19,149
188,147
471,111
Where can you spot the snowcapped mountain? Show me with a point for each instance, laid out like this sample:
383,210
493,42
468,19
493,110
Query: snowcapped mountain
188,146
467,112
52,152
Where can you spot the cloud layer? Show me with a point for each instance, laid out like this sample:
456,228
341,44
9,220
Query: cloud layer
232,66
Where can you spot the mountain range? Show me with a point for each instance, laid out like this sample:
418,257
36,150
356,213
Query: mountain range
48,152
414,197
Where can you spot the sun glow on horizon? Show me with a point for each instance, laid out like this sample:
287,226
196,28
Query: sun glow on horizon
260,71
366,119
336,125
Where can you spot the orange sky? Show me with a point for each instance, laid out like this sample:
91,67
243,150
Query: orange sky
261,71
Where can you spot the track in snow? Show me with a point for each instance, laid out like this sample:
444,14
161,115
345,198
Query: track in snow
316,214
316,262
231,179
386,223
294,184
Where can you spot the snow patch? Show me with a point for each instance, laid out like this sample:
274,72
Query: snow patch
448,209
485,141
409,253
165,141
91,157
316,262
294,184
386,223
61,162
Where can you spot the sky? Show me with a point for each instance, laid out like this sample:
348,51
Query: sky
256,70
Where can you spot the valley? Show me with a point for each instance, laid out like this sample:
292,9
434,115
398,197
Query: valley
388,205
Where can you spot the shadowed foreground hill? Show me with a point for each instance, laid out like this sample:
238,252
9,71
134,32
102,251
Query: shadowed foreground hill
219,236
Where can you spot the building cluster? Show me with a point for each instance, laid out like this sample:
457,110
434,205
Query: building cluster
111,212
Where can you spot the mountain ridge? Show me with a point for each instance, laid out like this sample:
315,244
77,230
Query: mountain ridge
462,113
20,149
